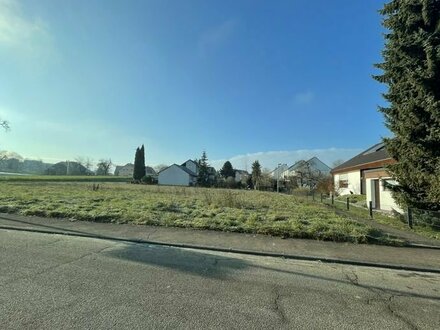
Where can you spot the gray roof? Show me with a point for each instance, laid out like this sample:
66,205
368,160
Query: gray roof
184,168
313,162
375,153
187,170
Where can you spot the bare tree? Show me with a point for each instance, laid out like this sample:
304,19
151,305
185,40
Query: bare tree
85,161
104,166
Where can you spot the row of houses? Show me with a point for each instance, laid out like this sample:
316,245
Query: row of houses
364,174
187,173
128,170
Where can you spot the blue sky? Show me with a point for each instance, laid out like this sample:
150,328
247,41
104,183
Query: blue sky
243,80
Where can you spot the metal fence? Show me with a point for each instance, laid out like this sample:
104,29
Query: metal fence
421,217
412,216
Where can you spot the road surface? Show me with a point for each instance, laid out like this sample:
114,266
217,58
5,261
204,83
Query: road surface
53,282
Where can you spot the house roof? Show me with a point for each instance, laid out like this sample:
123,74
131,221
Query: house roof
313,162
376,153
190,160
150,170
183,168
187,170
241,171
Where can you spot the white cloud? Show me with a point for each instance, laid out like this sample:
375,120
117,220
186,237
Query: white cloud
304,98
214,38
21,34
270,159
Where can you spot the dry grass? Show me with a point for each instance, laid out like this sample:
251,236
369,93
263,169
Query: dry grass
216,209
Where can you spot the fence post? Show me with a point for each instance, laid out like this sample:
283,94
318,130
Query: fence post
348,203
313,196
321,197
333,199
409,217
371,209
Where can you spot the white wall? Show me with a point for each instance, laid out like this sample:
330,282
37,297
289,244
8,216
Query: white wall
126,171
354,182
387,202
174,176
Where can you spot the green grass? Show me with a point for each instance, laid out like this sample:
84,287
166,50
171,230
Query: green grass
394,220
354,199
216,209
63,178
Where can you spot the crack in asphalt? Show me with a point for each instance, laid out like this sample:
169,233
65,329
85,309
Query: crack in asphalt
399,316
277,305
380,293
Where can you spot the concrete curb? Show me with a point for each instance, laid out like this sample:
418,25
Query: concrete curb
232,250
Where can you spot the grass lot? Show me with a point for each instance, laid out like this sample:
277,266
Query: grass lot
360,200
62,178
396,221
217,209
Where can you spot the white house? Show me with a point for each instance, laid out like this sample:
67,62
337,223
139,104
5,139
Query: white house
179,175
128,169
241,175
314,165
366,174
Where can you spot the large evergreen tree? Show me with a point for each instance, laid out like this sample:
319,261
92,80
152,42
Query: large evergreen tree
137,174
142,171
411,69
227,170
256,174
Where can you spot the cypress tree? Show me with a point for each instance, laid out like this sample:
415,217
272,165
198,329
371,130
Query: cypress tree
136,173
411,69
142,162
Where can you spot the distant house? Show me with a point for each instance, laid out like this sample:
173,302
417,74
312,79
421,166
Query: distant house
179,175
149,171
366,174
191,165
241,175
306,172
67,168
128,170
277,173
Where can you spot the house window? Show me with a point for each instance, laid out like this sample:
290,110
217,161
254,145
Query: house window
343,183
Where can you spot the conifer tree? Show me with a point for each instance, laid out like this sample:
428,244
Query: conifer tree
136,172
256,174
411,69
142,171
227,170
203,177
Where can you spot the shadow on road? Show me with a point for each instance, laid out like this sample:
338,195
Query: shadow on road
212,265
181,260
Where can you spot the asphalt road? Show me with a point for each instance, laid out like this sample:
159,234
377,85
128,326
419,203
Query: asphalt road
54,282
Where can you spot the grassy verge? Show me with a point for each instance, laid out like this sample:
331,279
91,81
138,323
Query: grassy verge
216,209
396,221
354,199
